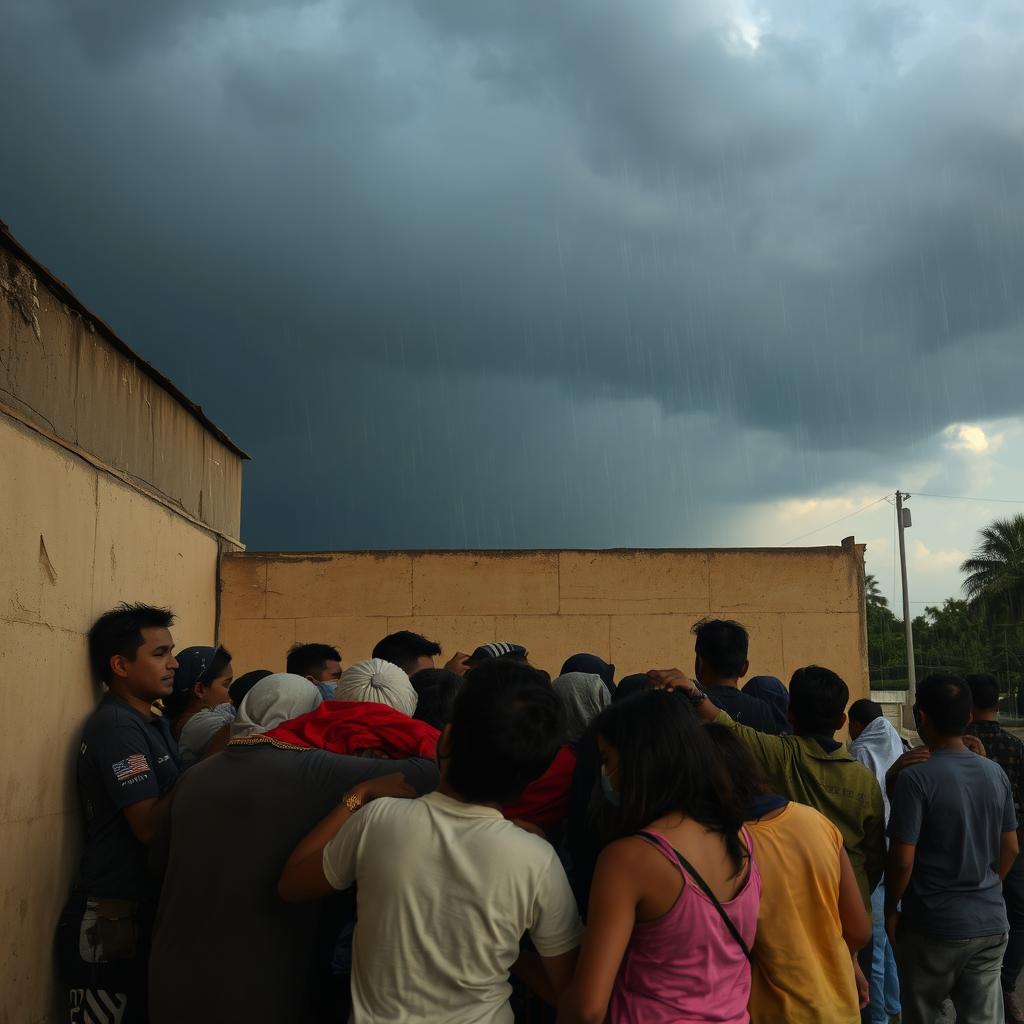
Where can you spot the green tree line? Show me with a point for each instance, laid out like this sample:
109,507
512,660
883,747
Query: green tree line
981,632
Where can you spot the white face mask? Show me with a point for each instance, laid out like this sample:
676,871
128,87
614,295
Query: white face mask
611,794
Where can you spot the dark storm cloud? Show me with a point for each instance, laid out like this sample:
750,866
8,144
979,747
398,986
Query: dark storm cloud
365,235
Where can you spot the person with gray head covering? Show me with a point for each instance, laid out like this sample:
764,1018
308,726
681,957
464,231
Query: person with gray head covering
378,682
593,664
272,701
583,696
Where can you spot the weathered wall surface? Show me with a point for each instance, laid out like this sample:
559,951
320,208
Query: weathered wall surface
110,490
634,608
74,542
63,371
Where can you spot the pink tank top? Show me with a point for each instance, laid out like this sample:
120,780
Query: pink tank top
686,967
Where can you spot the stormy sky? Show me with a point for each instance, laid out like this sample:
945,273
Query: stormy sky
516,273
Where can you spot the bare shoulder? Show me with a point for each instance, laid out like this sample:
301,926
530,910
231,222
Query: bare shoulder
628,853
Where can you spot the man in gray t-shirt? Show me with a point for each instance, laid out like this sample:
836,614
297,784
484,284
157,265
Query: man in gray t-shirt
953,837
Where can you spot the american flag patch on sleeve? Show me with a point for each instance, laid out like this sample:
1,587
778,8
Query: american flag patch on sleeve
130,767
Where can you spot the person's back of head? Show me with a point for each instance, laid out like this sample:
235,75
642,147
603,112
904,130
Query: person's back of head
631,685
118,633
817,701
244,683
984,691
861,714
666,763
310,660
507,726
411,652
437,689
721,650
944,703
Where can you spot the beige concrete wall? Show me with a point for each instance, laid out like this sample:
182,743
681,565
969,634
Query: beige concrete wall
634,608
73,542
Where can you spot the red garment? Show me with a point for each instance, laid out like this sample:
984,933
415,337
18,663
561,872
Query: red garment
357,727
546,801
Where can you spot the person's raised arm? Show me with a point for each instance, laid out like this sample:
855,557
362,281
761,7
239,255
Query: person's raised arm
673,679
303,877
853,915
610,920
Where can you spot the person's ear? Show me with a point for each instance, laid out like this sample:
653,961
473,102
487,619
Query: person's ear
119,665
744,670
842,721
444,742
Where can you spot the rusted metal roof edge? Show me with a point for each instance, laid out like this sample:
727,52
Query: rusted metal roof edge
68,297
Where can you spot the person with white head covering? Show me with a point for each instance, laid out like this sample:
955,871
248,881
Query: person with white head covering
583,696
277,698
378,682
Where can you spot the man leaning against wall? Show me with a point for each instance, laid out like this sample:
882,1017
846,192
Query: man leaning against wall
126,765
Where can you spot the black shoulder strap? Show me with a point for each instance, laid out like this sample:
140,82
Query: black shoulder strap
695,875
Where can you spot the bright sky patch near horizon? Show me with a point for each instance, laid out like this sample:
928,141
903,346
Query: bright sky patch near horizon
509,273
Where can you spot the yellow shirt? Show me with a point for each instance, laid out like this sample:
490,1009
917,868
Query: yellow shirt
803,973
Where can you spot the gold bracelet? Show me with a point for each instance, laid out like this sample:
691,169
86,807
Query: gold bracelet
352,802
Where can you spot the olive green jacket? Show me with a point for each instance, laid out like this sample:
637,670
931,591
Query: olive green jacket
836,784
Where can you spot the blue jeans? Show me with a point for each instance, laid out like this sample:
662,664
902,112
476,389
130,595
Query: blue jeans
884,981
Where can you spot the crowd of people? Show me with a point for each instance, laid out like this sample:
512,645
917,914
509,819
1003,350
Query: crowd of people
397,841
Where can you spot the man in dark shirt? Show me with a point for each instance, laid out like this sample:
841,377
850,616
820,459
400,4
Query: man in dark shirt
721,662
953,838
1008,752
127,763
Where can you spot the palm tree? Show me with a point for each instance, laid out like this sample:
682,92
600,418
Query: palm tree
873,595
995,572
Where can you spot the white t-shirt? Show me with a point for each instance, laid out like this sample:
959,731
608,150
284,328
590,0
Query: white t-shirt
446,891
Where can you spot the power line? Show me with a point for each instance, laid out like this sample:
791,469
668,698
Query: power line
966,497
848,515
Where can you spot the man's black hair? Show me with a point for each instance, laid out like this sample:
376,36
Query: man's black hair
310,659
506,728
722,644
864,711
817,700
984,691
947,701
404,648
437,689
244,683
119,632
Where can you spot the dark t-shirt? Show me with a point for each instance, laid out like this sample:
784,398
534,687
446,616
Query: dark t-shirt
953,809
747,710
225,947
125,757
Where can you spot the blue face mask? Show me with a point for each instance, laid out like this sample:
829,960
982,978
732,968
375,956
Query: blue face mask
612,795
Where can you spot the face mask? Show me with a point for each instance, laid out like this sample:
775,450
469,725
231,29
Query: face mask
612,795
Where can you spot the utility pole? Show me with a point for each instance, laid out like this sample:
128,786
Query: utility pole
903,521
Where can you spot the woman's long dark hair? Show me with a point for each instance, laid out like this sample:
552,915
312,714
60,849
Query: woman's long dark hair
668,763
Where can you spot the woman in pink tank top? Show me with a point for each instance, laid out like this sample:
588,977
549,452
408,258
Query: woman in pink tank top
673,907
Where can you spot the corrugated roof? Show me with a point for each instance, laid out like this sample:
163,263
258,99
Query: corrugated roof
68,297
